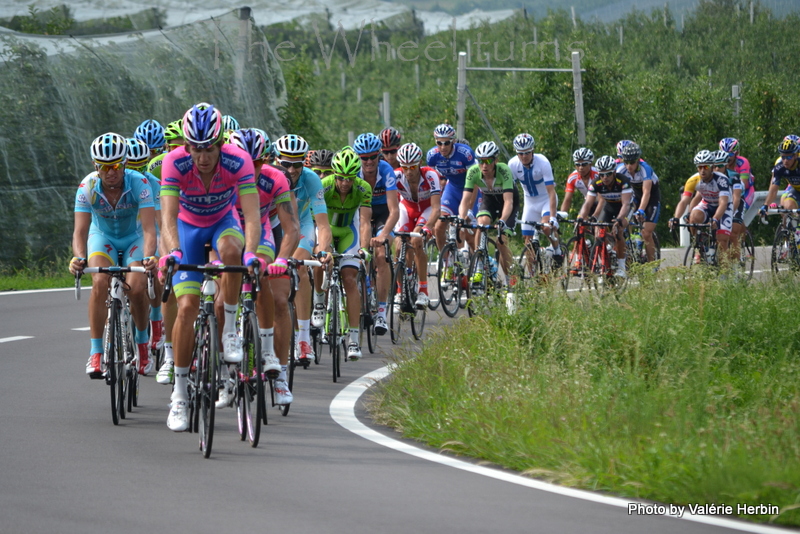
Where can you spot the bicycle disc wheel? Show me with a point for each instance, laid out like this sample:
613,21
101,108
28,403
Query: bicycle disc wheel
208,385
448,279
335,331
477,280
395,311
291,364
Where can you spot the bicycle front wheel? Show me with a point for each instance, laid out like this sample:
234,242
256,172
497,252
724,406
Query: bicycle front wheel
477,280
334,333
782,251
112,358
250,384
449,279
207,384
747,254
417,316
292,363
395,303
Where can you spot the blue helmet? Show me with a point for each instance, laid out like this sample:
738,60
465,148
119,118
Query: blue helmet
202,125
366,143
621,145
152,133
729,145
251,140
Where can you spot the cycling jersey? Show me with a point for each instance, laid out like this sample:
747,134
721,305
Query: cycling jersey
309,194
746,178
428,186
779,172
385,181
534,178
122,219
273,189
643,174
343,212
715,189
576,183
155,187
154,167
205,207
493,201
452,168
612,194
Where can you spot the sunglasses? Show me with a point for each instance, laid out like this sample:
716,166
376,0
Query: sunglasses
604,174
368,158
486,161
342,178
389,150
114,167
444,143
703,167
630,161
528,153
409,166
787,156
583,164
323,172
289,164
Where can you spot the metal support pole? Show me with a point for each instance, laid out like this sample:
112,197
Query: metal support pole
387,118
578,88
461,104
242,47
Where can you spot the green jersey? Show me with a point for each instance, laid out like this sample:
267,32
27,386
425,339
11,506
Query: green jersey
503,181
341,213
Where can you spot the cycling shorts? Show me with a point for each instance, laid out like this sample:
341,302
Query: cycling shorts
533,209
308,235
725,223
791,193
651,212
99,244
267,244
451,200
346,241
610,212
410,218
492,206
193,241
380,213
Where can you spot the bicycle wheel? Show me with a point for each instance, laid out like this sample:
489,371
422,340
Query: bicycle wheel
250,383
449,279
112,355
364,317
291,364
477,280
207,384
783,251
530,262
395,303
417,316
334,329
131,367
747,254
577,261
372,308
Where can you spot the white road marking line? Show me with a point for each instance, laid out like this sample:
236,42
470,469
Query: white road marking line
83,329
14,338
29,291
342,410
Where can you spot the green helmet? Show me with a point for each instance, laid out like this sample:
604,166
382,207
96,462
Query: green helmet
346,162
173,131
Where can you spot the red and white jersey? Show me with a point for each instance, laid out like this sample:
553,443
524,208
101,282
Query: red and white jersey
428,187
574,182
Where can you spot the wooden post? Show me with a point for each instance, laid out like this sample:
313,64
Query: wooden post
620,36
577,86
358,95
387,118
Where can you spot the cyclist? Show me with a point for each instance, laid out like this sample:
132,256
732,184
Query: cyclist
712,200
621,145
229,124
535,174
114,213
500,203
579,179
349,202
646,192
420,203
200,184
788,170
451,160
321,163
390,141
307,189
615,193
385,213
152,133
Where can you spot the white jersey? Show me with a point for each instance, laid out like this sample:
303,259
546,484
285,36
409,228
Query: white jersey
534,179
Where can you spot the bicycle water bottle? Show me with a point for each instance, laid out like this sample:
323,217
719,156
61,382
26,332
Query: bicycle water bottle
325,281
493,267
367,280
710,253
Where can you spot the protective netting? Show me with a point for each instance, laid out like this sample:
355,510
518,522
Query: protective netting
59,93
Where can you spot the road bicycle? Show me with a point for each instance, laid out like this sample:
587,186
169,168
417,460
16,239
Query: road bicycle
636,251
702,249
578,258
539,263
337,324
452,266
368,288
603,260
120,358
249,388
786,245
207,375
484,277
432,253
404,291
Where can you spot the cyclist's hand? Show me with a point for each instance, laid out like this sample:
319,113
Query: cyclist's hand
377,241
278,267
580,221
501,226
639,214
593,219
325,257
150,263
554,223
673,223
365,255
773,206
762,210
425,231
715,223
251,260
460,221
176,255
76,265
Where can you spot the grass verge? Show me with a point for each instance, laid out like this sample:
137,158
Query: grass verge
683,392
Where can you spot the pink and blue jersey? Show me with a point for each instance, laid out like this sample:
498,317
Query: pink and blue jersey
748,180
203,207
273,188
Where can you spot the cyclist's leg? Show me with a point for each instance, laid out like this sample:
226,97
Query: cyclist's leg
228,243
140,302
302,299
420,256
382,268
97,247
265,306
451,199
724,231
651,215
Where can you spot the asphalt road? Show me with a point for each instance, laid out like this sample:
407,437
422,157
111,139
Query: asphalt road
65,468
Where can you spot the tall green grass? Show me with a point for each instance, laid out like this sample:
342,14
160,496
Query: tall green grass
685,391
41,274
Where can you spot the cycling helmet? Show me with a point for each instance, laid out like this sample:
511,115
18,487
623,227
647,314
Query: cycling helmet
307,160
622,144
583,154
487,149
138,153
409,154
788,146
444,130
729,145
251,140
346,162
524,143
720,158
109,148
704,157
390,137
631,152
606,164
461,142
229,124
173,131
321,158
795,138
366,143
152,133
202,125
291,145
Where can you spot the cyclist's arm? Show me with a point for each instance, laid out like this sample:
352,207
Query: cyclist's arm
324,237
695,201
290,224
252,221
467,200
148,219
169,217
737,197
681,207
723,205
587,203
647,185
393,204
436,210
626,205
365,226
551,191
508,205
80,234
772,193
565,205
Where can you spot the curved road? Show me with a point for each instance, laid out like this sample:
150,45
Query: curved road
66,469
